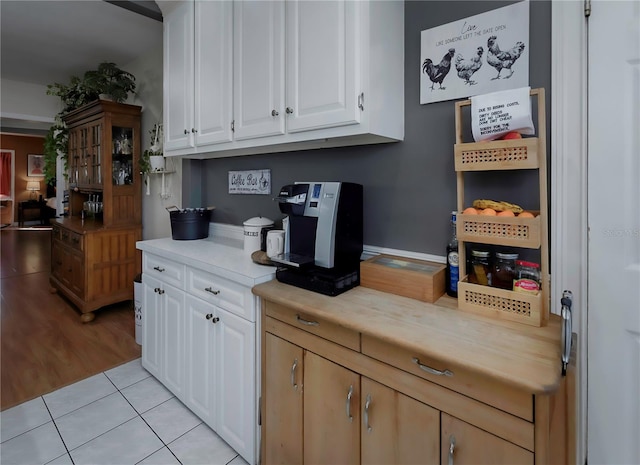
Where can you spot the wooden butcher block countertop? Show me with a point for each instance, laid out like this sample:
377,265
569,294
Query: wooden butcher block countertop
519,355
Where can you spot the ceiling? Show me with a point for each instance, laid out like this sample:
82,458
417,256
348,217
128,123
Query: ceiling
43,42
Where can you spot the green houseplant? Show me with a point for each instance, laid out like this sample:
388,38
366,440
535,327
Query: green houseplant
152,159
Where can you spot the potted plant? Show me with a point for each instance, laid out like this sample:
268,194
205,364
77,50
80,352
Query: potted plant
110,82
152,159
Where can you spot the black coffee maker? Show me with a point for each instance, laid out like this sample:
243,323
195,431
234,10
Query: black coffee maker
324,236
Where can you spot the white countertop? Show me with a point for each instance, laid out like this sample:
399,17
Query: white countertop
221,255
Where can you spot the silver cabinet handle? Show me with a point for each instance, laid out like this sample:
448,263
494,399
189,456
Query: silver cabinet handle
428,369
349,395
186,132
194,130
293,373
361,101
306,322
208,289
157,268
215,320
156,290
452,446
366,413
274,113
160,291
209,316
289,110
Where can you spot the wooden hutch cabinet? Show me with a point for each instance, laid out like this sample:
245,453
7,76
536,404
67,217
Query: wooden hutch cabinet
93,250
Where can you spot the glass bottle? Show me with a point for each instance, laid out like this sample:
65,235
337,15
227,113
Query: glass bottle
453,273
504,270
527,277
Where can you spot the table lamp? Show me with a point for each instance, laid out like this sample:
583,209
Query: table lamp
33,187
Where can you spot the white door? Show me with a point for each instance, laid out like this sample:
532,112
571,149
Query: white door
151,326
235,383
201,359
178,77
258,68
613,413
213,72
322,71
172,341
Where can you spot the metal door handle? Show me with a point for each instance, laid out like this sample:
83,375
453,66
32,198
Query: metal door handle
160,292
366,413
157,268
208,289
274,113
194,130
186,132
209,316
293,373
452,446
428,369
306,322
215,320
349,395
289,110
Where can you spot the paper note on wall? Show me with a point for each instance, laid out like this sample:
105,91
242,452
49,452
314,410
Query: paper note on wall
493,115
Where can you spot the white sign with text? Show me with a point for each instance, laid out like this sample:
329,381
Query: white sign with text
250,182
495,114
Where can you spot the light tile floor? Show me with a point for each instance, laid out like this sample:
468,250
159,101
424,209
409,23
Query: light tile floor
119,417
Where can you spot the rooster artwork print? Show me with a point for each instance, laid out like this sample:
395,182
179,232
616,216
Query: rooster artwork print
500,59
438,72
467,67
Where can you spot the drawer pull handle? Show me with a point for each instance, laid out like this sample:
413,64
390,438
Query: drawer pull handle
157,268
306,322
208,289
452,446
433,371
349,395
366,413
293,373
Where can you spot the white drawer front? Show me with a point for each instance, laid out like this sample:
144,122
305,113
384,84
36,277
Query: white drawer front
163,269
227,294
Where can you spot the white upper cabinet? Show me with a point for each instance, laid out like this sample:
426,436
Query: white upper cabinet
273,76
197,75
323,72
258,40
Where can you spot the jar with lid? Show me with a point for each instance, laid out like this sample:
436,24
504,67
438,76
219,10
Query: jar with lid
480,272
503,271
527,277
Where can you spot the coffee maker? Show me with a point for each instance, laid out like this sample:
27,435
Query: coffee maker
323,236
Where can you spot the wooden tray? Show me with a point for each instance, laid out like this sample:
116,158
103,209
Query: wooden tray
514,154
508,231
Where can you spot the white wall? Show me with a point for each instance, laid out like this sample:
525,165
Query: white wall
148,72
21,100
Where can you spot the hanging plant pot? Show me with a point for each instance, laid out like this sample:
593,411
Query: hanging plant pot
156,162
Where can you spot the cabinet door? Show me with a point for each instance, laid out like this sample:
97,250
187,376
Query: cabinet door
152,336
462,443
282,400
200,359
396,428
258,68
322,67
213,72
331,413
178,77
75,260
236,382
173,343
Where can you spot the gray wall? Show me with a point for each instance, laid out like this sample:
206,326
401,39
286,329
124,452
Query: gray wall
409,186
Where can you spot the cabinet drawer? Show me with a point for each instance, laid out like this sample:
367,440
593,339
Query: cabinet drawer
460,380
227,294
71,239
166,270
331,331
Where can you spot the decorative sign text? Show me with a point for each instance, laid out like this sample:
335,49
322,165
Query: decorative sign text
250,182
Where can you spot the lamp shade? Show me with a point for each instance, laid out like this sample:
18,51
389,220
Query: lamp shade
33,185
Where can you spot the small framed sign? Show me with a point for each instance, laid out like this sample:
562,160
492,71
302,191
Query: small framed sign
250,182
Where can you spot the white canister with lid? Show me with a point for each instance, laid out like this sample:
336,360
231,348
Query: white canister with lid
252,232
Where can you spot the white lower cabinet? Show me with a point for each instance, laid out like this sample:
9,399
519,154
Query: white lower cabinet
203,353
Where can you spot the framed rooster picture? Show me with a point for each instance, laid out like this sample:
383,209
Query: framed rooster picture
480,54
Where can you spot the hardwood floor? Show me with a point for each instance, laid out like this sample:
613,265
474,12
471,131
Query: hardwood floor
44,346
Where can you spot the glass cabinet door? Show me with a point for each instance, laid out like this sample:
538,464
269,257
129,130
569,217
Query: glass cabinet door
122,157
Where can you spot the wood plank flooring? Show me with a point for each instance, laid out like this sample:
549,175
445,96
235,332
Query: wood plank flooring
44,346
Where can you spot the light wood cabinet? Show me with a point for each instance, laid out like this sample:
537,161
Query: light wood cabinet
427,384
94,259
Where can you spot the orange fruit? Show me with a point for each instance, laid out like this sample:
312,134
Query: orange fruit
470,211
506,213
526,214
488,212
512,135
